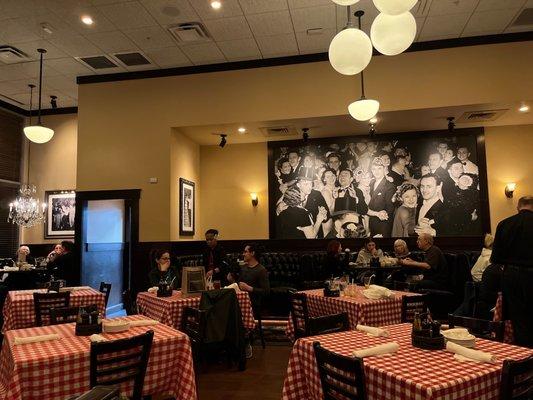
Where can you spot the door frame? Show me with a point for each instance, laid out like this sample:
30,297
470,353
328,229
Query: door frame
131,224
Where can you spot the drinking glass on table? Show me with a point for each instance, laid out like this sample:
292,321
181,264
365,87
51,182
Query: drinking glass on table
367,280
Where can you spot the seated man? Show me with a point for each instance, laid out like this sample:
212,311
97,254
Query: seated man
434,266
63,266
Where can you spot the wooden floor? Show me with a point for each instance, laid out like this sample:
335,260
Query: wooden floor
262,379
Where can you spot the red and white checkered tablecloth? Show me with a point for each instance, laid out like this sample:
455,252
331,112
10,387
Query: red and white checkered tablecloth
409,374
508,335
59,369
360,309
168,310
19,311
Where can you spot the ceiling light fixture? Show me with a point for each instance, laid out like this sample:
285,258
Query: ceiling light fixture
345,2
451,124
373,120
305,134
38,133
216,4
222,140
242,129
524,108
372,129
87,20
393,34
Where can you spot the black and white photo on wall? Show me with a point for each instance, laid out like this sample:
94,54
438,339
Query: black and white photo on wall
394,185
60,211
187,206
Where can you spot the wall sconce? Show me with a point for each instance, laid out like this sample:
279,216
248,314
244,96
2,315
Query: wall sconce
509,189
255,199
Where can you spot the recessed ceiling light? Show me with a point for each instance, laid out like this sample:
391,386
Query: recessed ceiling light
242,129
524,108
216,4
87,20
373,120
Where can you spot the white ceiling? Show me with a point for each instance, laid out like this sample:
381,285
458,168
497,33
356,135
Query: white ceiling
241,30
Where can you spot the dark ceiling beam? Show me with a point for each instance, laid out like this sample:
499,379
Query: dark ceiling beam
49,111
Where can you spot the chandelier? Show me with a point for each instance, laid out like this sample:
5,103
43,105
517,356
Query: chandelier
26,211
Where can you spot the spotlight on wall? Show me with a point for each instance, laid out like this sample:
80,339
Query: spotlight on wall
451,124
53,101
255,199
509,189
242,129
305,134
373,120
222,140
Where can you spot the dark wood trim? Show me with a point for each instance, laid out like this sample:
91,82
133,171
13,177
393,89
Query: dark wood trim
49,111
299,59
483,182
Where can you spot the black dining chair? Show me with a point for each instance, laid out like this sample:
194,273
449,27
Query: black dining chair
299,315
412,305
117,361
63,315
517,380
43,302
328,324
105,288
128,300
193,322
341,377
492,330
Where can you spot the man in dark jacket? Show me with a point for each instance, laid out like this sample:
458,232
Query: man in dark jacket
214,257
63,266
380,206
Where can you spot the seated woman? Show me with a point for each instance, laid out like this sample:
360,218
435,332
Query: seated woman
332,265
483,260
163,271
23,255
400,249
368,252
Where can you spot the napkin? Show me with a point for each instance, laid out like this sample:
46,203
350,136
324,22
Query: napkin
234,286
464,354
97,338
376,292
378,350
73,288
153,289
372,331
35,339
143,322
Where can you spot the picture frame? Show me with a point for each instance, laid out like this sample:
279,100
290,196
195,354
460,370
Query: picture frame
187,199
60,212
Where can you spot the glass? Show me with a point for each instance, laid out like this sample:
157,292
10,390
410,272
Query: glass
367,280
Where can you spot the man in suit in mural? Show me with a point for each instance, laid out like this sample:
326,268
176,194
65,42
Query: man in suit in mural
469,167
312,199
430,214
435,165
380,207
347,196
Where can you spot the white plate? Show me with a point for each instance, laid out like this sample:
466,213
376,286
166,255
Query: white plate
458,335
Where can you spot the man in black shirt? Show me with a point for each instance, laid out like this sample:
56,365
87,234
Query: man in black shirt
434,266
63,266
512,249
214,256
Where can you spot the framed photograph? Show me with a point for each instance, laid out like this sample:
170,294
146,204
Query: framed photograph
187,199
60,211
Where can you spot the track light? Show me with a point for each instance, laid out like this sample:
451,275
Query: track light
451,124
372,129
222,140
305,134
53,101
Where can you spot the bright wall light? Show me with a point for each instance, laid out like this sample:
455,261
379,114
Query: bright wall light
255,199
509,189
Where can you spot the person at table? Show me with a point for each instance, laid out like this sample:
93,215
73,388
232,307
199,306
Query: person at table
63,266
252,277
163,272
369,251
23,255
512,249
401,250
483,261
54,253
214,257
380,206
333,265
434,266
405,216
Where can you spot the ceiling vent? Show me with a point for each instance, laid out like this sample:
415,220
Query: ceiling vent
190,32
12,55
132,59
273,131
98,62
481,116
524,18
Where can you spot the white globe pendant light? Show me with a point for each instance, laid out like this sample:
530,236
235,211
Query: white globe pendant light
363,109
350,50
394,7
38,133
345,2
393,34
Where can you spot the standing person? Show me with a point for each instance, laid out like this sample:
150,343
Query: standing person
332,265
380,207
512,249
63,266
405,216
163,271
214,257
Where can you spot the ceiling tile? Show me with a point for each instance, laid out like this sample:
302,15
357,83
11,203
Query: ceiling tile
100,2
278,45
168,57
13,31
485,5
228,28
31,69
315,43
490,21
444,25
261,6
447,7
73,13
241,49
75,45
308,3
21,8
437,37
127,15
152,37
314,17
170,12
69,66
230,8
12,87
63,83
30,48
111,42
268,24
203,53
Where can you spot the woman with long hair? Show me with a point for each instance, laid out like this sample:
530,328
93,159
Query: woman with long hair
163,271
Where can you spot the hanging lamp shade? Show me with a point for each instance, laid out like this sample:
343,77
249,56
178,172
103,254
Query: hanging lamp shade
394,7
38,133
345,2
393,34
363,109
350,51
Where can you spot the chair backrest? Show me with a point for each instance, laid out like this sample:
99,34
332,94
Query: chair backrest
341,377
43,302
328,324
122,360
299,314
105,288
412,305
517,379
129,302
193,324
492,330
402,286
63,315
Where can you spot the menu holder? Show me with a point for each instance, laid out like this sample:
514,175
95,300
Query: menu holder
423,340
88,321
193,281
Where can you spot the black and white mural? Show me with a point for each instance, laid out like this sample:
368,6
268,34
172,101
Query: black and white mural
354,187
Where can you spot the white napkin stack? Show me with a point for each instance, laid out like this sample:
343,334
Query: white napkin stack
465,354
36,339
376,292
233,286
372,331
143,322
153,289
378,350
97,338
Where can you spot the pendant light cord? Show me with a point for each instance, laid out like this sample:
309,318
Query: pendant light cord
359,14
40,84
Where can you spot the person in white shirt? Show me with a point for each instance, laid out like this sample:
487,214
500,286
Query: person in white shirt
483,260
469,167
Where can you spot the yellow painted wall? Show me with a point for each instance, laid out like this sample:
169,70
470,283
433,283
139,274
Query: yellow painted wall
228,177
53,166
184,163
